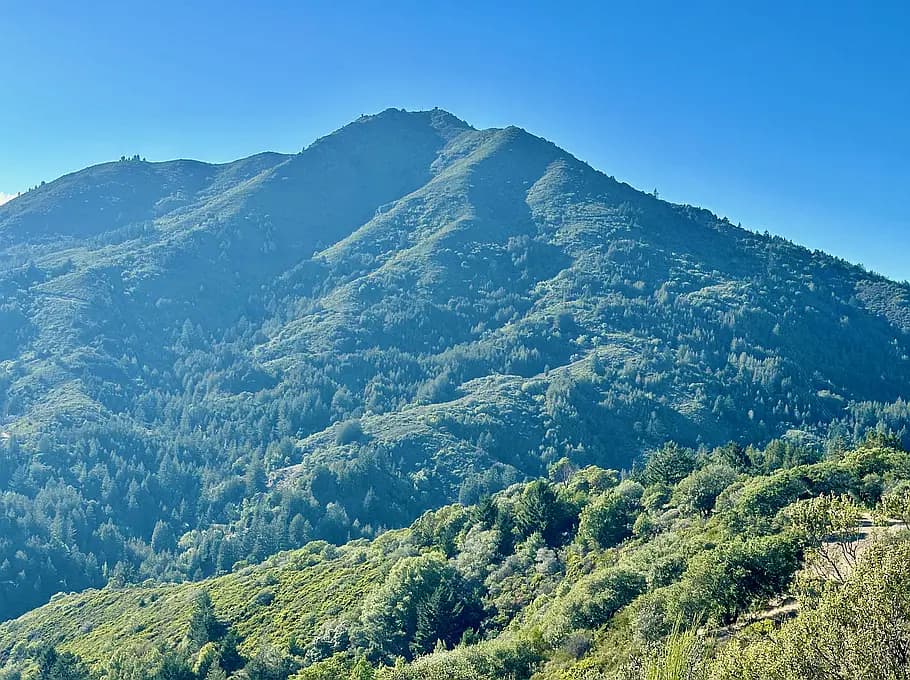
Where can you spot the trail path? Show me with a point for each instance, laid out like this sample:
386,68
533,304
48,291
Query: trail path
835,561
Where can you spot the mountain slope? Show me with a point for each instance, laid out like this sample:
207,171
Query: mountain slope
574,578
204,364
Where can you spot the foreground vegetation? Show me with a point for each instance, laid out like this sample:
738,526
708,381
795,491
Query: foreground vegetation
676,571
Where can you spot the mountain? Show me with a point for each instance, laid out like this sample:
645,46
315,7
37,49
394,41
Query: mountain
202,365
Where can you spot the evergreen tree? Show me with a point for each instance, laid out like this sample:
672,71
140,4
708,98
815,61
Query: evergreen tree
230,658
540,511
163,537
216,672
173,667
668,465
52,665
204,625
255,479
362,670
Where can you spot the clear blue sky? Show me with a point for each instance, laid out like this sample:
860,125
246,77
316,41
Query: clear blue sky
792,117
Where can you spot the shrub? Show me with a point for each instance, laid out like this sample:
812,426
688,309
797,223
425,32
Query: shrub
348,432
609,518
699,491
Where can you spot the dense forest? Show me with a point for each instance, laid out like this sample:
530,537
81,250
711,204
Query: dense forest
204,365
731,563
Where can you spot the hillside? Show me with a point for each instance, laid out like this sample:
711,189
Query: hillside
203,365
583,577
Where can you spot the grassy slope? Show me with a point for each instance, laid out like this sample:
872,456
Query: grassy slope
307,587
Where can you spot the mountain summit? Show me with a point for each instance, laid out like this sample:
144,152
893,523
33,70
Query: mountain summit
217,362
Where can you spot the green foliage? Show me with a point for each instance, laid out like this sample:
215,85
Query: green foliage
829,526
824,518
895,502
593,601
610,517
450,598
349,432
540,510
216,672
362,670
422,600
857,631
668,465
720,584
163,539
680,657
497,660
698,491
269,665
204,626
441,529
337,667
52,665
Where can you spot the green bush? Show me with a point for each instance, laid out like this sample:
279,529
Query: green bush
610,517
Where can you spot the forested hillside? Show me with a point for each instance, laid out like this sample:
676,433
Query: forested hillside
203,365
729,564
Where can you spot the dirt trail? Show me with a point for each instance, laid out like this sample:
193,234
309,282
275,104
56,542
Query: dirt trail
835,562
837,559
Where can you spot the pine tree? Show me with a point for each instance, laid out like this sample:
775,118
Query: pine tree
216,672
230,658
362,670
539,510
163,537
204,626
173,668
255,479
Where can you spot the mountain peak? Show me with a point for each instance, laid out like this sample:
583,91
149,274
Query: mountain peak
397,122
436,117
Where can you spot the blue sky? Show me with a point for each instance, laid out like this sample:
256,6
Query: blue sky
791,117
